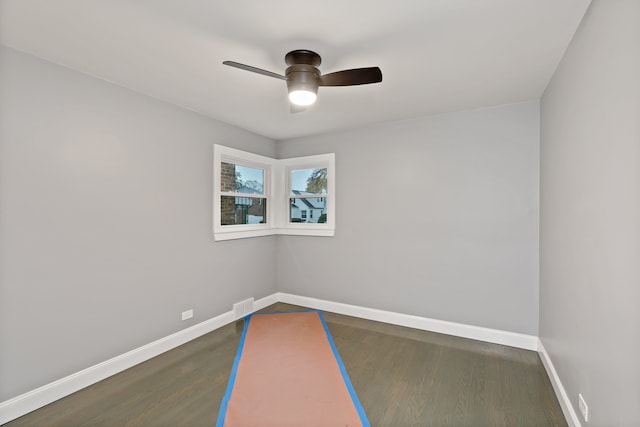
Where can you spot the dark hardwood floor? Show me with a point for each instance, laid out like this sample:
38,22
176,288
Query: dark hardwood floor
403,377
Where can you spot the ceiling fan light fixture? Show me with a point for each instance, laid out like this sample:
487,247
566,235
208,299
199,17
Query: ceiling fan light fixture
302,97
302,84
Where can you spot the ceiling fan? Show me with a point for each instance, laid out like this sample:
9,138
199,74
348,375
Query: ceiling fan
303,76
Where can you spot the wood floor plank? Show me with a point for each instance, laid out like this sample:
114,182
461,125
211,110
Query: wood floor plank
403,377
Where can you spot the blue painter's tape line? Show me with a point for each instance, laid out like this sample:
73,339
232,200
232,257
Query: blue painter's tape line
354,397
222,413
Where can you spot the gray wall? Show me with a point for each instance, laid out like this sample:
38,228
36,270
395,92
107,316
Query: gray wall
590,215
436,217
105,222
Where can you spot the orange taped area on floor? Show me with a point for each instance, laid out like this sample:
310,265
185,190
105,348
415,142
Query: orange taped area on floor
288,373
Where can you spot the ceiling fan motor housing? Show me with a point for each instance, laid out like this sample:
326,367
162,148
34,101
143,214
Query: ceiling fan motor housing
302,73
302,77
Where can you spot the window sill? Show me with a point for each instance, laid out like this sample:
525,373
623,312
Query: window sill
320,232
233,235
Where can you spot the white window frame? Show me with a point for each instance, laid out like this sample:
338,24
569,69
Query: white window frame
277,191
230,155
308,228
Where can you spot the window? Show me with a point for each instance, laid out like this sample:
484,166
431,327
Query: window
304,184
258,196
310,189
241,194
237,186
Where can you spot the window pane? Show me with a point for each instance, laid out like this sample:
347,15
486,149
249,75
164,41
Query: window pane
242,210
309,181
308,209
241,179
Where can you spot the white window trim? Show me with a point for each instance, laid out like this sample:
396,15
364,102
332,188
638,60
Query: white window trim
238,157
277,188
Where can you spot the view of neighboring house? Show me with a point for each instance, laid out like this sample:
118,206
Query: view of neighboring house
308,209
242,209
246,182
249,210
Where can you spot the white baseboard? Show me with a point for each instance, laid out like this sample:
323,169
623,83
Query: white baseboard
565,403
495,336
265,302
34,399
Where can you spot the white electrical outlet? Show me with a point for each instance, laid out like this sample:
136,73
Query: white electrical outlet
187,314
584,409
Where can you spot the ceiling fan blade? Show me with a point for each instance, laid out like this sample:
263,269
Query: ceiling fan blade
356,76
254,69
293,109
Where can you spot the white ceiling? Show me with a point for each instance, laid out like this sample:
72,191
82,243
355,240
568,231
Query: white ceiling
436,55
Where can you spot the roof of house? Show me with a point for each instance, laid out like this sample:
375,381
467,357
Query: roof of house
306,199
